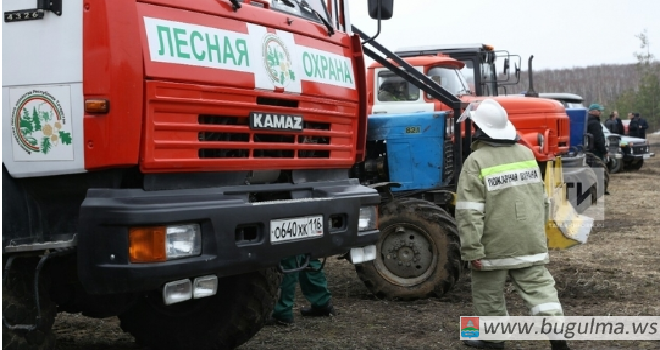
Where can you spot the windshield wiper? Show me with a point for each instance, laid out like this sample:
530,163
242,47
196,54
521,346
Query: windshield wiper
465,88
327,24
288,3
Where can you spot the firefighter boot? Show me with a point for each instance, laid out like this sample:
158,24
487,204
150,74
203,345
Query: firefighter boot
559,345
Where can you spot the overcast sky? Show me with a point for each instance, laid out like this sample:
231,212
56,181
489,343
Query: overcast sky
559,33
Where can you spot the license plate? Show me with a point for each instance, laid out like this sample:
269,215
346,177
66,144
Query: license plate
275,121
284,230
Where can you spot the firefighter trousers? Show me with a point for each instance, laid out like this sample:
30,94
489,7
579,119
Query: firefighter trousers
313,285
534,284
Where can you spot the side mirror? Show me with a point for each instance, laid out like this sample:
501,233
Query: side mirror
517,72
506,66
386,8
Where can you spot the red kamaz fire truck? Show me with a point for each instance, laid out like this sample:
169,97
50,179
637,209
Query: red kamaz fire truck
160,157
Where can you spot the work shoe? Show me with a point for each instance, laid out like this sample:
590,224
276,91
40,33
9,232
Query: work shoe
559,345
480,344
318,311
283,321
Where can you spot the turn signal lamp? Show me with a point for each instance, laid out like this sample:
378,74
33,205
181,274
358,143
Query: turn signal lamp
97,106
489,47
160,243
147,244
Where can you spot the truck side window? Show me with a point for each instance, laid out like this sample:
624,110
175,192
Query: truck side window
394,88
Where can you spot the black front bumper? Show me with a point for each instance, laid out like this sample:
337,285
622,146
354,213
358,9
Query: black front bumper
107,214
635,153
632,157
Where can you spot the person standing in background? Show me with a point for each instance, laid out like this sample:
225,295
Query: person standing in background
619,123
638,126
611,124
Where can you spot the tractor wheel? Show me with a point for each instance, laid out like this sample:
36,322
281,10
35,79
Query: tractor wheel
19,307
597,163
418,252
222,321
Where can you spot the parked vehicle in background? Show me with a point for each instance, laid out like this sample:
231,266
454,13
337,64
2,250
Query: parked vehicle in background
634,151
625,152
574,102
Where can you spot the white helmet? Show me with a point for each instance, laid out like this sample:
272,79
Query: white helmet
491,118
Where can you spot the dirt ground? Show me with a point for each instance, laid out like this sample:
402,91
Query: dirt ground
616,273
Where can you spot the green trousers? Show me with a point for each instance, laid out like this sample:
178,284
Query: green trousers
313,285
534,284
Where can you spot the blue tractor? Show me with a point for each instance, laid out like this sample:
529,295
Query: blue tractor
414,160
420,249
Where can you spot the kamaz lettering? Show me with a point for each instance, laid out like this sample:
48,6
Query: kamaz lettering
275,121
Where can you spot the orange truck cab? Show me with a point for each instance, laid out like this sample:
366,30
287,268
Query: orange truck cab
541,123
161,157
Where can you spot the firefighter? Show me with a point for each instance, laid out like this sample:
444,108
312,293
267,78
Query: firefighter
500,211
314,287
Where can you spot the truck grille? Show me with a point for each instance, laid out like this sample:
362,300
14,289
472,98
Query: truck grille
281,145
640,149
195,128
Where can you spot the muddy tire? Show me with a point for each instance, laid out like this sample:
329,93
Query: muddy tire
19,307
223,321
418,252
594,162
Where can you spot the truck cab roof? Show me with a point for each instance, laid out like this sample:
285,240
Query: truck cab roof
427,61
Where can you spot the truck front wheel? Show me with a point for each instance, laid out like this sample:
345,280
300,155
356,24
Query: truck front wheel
418,252
223,321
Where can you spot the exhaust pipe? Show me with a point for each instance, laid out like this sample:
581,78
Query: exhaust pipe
530,91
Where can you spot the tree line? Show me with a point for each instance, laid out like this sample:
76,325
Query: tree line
621,87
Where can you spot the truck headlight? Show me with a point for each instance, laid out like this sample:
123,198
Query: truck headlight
183,240
161,243
368,220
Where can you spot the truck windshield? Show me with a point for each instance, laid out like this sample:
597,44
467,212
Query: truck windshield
450,79
394,88
302,8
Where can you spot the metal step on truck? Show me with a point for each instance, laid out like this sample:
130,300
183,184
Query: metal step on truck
160,158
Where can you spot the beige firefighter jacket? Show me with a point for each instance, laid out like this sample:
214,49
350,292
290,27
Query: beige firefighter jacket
500,207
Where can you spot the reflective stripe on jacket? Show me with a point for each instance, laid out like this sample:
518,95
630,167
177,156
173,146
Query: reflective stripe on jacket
500,207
